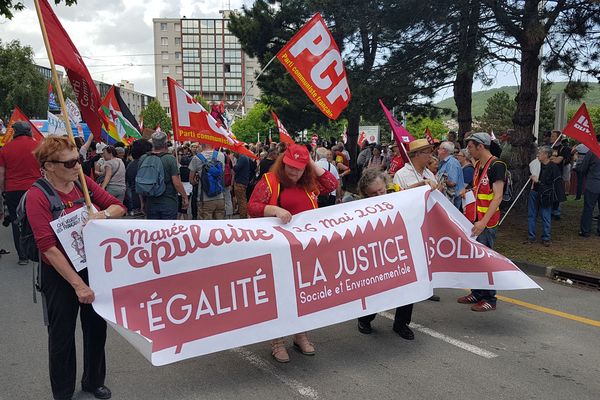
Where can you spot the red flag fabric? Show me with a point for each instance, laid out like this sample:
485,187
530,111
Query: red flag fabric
192,122
581,129
65,53
402,136
284,136
19,115
314,61
429,137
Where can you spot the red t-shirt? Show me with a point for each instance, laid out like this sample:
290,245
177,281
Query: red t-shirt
39,215
396,164
21,168
293,199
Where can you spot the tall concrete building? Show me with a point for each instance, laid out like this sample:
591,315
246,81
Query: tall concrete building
206,59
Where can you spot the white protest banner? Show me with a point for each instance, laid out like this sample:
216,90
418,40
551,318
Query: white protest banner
56,125
73,111
68,229
192,288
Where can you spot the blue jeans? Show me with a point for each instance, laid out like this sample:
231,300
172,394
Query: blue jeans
589,204
533,208
487,238
161,211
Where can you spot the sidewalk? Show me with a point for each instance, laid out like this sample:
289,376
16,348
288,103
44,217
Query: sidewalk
578,277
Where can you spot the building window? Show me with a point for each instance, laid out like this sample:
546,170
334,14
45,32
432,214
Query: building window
164,41
163,26
165,69
178,70
178,55
164,55
177,41
177,27
167,110
165,96
189,26
164,83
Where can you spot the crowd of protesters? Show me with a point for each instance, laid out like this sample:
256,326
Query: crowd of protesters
197,181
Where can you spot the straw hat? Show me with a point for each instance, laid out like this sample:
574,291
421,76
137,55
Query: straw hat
418,145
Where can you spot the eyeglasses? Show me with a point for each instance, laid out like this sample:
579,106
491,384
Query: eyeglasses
68,164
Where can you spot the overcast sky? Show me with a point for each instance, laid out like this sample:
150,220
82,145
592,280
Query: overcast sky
111,34
115,36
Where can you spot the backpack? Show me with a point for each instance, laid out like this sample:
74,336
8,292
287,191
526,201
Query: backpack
211,175
150,177
228,175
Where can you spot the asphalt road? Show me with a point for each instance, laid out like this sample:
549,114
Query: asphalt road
518,351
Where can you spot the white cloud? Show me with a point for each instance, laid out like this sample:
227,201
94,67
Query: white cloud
115,37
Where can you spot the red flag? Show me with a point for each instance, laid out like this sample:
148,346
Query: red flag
402,136
428,136
284,136
19,115
314,61
581,129
65,53
192,122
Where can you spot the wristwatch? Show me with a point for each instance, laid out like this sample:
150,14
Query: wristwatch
106,214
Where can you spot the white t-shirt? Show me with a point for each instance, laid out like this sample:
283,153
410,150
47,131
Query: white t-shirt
327,166
405,177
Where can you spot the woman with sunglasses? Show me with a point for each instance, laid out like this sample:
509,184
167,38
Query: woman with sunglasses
66,291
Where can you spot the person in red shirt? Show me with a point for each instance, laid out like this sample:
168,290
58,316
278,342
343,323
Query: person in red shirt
396,162
18,170
67,291
290,187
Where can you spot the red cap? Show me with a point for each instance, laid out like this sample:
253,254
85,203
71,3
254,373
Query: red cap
296,156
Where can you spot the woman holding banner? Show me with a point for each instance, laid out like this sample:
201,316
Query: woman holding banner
66,291
290,187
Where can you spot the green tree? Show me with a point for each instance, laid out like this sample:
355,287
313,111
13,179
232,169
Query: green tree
155,115
416,125
21,84
257,121
8,7
546,108
498,113
204,103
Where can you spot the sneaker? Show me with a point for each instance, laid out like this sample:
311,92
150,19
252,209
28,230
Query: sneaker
278,351
468,299
404,331
365,328
483,306
23,261
546,243
302,344
529,241
434,297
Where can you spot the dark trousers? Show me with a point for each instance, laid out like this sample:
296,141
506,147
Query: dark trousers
487,238
12,202
63,306
580,180
402,317
194,202
589,204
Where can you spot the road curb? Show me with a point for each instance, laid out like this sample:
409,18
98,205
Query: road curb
581,277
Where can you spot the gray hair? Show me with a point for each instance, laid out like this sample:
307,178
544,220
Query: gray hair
321,153
448,146
369,176
465,152
159,140
546,150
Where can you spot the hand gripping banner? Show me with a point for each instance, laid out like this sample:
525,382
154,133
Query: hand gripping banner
314,61
181,289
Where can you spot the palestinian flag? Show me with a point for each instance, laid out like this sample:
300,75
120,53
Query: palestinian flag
122,125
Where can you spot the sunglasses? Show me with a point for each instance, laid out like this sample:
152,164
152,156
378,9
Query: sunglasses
68,164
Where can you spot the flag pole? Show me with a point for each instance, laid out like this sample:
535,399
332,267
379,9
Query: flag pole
252,84
523,189
401,145
61,100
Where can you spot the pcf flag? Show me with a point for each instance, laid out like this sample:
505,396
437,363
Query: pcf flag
284,136
192,122
65,53
580,128
314,61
